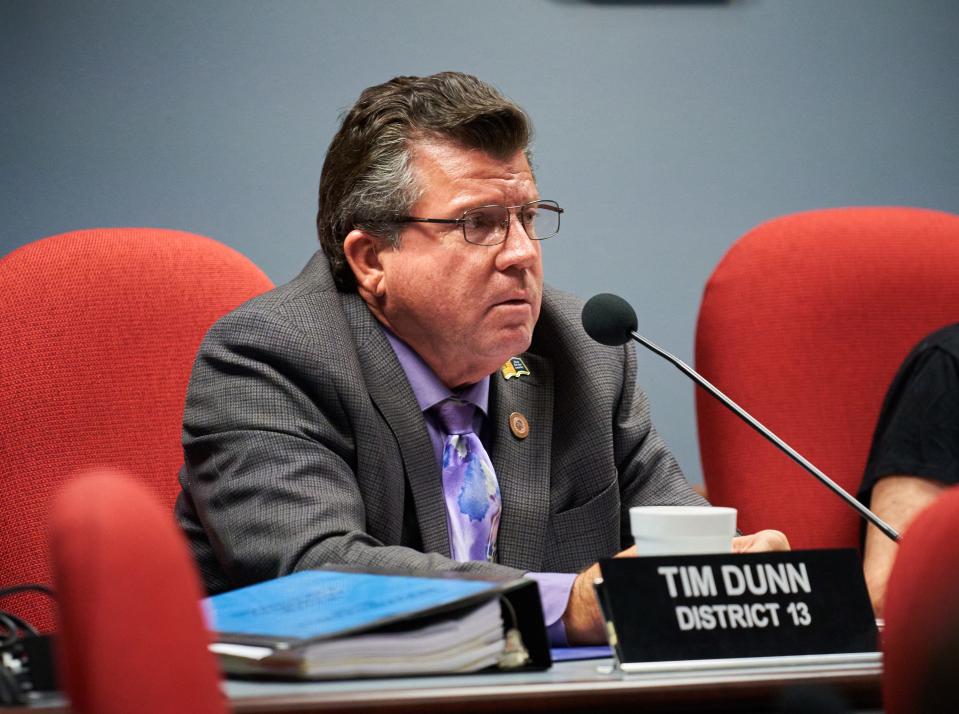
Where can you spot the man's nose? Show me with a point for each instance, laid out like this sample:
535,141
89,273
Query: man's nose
518,248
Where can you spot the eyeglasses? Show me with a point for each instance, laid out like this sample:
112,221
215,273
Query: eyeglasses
489,225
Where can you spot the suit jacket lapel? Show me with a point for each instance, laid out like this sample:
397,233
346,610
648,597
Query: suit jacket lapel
522,465
391,393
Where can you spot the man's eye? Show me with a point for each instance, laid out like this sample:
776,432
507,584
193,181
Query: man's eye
482,220
470,221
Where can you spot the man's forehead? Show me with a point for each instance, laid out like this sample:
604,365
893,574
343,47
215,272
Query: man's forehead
444,162
455,157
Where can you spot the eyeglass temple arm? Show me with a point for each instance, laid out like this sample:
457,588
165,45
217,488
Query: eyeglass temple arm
415,219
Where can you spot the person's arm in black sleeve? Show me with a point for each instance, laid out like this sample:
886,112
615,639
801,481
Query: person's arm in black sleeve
915,455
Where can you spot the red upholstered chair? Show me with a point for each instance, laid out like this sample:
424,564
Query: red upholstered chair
99,330
804,323
921,637
131,634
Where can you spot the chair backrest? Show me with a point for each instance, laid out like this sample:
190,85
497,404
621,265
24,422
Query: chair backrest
131,635
804,322
921,637
99,329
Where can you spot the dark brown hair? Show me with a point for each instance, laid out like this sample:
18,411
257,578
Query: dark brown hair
367,178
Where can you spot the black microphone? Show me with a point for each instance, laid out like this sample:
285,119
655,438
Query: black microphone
610,320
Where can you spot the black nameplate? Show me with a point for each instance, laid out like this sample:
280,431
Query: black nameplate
694,607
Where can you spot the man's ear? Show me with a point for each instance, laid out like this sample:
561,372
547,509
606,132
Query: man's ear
362,251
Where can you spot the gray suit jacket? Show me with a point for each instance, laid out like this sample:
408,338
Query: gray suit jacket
304,446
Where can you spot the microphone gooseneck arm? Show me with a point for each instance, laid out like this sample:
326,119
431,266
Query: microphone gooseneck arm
886,529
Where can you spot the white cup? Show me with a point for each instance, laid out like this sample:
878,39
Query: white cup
682,530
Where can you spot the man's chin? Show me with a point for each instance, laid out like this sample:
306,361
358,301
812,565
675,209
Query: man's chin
510,342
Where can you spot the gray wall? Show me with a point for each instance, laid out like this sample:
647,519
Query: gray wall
666,130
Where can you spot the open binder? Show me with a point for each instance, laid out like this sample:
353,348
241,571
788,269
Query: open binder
323,624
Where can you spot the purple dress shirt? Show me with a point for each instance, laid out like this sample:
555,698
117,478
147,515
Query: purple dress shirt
554,588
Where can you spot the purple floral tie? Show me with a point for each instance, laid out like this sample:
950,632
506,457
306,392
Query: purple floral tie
469,484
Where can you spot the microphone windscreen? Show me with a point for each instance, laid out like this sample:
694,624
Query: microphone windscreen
609,319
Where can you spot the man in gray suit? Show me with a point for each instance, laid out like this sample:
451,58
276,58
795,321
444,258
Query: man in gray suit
417,398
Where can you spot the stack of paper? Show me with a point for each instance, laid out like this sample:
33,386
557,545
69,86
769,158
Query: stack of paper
453,644
325,624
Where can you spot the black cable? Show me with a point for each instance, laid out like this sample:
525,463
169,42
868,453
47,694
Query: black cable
10,692
13,629
24,625
7,624
15,624
27,587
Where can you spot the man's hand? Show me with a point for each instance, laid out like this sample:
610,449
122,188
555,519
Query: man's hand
760,542
583,620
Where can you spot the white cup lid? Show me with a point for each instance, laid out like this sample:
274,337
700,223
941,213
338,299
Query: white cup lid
683,521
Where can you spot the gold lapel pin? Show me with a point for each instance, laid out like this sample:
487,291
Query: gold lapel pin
515,367
518,425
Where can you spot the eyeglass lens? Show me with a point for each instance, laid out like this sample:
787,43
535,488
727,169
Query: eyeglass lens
487,225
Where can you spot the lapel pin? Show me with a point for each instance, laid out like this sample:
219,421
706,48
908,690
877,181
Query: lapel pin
518,425
515,367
